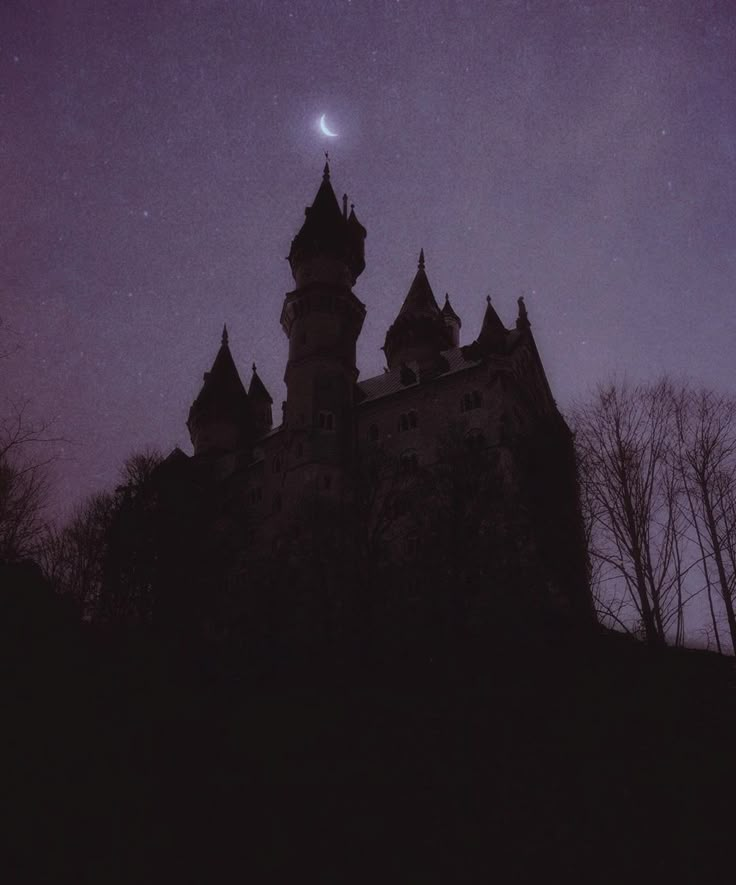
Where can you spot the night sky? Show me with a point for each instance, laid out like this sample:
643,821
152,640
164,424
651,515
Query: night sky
156,159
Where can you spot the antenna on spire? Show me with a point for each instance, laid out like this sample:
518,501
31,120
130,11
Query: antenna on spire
421,259
224,334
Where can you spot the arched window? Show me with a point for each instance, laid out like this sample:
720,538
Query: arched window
403,423
255,495
409,461
408,421
475,440
413,419
326,421
373,433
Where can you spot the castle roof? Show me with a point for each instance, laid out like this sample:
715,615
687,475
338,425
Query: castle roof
394,380
420,300
328,230
223,393
257,390
447,310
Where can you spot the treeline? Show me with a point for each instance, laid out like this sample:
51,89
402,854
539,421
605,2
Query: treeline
657,467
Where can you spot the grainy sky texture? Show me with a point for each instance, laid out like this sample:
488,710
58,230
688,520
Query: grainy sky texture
156,159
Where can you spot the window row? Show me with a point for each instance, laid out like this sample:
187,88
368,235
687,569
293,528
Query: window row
470,401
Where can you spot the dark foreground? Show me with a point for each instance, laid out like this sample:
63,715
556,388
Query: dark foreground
135,759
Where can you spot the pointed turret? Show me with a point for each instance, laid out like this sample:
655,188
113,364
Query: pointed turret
452,321
330,245
419,331
492,338
260,404
522,320
219,419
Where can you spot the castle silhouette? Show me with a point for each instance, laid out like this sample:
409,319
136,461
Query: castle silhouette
489,399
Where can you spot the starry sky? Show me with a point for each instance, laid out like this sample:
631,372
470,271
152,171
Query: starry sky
156,159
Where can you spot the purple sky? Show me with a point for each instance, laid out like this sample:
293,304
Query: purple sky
156,159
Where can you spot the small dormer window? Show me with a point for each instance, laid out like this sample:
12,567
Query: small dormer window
326,421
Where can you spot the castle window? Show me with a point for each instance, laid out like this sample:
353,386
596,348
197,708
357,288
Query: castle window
255,495
277,503
276,464
373,433
408,421
409,462
470,401
326,421
303,338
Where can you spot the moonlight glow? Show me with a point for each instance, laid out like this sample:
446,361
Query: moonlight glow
325,128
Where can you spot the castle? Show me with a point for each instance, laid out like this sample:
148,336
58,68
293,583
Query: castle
491,395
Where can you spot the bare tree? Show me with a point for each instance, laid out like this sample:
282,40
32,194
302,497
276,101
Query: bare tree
631,494
24,481
706,463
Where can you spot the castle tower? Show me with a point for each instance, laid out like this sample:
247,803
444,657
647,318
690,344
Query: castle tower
419,332
219,419
322,319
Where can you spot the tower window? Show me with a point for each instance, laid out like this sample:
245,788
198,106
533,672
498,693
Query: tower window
470,401
326,421
276,464
409,462
373,433
255,495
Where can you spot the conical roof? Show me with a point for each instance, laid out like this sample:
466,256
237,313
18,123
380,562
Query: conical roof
257,390
493,332
222,393
420,300
448,312
327,231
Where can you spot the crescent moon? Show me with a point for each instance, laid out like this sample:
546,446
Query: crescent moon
325,128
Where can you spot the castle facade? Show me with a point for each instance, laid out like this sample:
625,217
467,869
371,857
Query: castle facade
490,395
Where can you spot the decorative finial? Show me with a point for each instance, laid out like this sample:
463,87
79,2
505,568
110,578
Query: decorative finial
254,368
447,297
326,172
488,299
224,334
344,205
421,259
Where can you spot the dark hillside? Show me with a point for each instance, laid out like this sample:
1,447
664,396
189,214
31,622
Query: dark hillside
132,758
